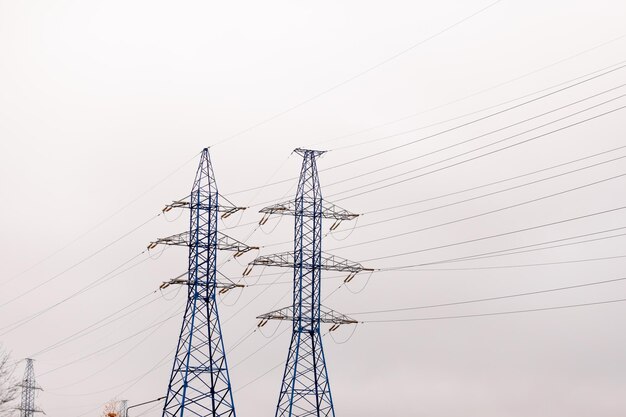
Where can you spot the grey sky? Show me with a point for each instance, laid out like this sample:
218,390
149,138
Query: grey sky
100,101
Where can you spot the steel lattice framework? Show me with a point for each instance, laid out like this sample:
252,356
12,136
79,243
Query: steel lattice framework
305,390
29,388
199,383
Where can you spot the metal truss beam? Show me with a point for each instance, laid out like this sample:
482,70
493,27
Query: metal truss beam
328,263
182,279
226,209
326,316
224,242
288,208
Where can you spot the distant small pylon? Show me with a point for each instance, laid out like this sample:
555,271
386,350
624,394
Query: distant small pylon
29,387
123,408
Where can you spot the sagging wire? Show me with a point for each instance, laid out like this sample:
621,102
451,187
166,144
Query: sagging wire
349,279
242,339
108,366
102,323
332,329
154,258
165,211
112,345
333,231
175,295
223,294
258,277
257,296
259,349
265,219
281,363
273,333
236,258
236,224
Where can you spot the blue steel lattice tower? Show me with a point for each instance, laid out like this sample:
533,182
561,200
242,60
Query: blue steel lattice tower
305,390
199,383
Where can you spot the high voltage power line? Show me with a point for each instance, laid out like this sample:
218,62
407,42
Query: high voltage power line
525,229
500,313
504,148
500,297
515,177
401,181
449,194
83,260
358,75
578,54
510,251
498,210
104,278
95,253
557,307
555,194
247,336
396,164
602,44
156,324
255,188
569,261
573,83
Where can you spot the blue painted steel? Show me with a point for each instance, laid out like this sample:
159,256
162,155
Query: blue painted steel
199,384
305,389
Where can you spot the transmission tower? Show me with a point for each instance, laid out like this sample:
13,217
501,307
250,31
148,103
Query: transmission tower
123,408
199,384
29,388
305,389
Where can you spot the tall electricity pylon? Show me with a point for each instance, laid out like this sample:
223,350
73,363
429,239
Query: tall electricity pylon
199,384
29,388
305,389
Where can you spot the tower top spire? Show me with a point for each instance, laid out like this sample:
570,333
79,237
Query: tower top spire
302,152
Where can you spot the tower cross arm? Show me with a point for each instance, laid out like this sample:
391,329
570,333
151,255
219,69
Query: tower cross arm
183,279
328,262
224,242
327,315
226,209
329,211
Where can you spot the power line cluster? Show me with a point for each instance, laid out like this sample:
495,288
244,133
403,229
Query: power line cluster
598,106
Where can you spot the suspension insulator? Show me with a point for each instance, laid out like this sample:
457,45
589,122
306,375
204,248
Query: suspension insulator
264,219
350,277
335,225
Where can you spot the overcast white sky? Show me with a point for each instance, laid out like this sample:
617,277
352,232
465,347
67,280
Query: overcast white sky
104,107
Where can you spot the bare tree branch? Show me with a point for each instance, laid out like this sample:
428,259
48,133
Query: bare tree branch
8,385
